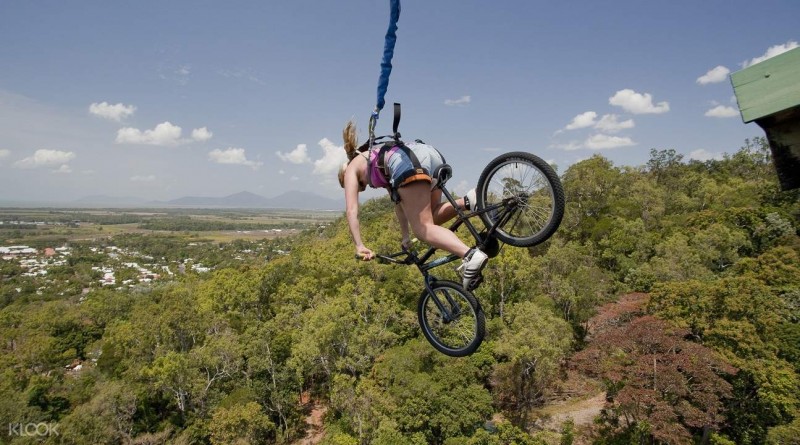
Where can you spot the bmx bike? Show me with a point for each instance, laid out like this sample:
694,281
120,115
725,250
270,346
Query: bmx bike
520,201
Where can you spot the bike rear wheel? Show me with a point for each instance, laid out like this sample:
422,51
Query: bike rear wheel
458,328
531,189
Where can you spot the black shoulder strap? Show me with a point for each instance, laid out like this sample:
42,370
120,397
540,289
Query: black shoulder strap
396,123
381,158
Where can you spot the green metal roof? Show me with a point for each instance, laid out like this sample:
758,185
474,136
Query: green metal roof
768,87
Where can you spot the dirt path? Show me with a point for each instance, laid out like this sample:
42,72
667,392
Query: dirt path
582,412
315,431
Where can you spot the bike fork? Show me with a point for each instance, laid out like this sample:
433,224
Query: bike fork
447,315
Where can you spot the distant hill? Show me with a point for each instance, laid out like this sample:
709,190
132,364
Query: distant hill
288,200
305,200
109,201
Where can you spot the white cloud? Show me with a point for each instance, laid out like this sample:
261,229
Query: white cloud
143,178
115,112
43,158
636,103
164,134
4,153
610,123
201,134
582,120
233,156
461,188
294,178
570,146
714,75
771,52
297,156
722,111
703,155
63,169
333,156
461,101
602,142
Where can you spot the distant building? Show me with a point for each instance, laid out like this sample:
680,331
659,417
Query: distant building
15,251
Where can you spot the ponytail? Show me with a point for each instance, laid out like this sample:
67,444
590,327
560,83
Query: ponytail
350,140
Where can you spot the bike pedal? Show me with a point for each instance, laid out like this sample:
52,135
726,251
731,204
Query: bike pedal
475,282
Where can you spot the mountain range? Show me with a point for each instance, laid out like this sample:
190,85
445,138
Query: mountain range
288,200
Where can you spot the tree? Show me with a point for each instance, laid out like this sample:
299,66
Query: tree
530,350
589,186
172,373
424,393
108,418
719,247
659,385
568,275
235,293
266,348
240,424
741,318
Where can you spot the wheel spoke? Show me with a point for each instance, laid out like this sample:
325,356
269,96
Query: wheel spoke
461,331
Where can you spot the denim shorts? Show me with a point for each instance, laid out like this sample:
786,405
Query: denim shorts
400,165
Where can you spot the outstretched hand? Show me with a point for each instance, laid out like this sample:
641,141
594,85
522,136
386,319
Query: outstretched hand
364,254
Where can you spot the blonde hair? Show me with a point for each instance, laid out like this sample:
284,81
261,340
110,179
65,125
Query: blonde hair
350,144
350,140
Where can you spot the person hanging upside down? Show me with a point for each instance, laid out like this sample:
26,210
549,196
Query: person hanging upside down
404,170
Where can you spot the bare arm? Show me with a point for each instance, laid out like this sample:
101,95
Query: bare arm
351,203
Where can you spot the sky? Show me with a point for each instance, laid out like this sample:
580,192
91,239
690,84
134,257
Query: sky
159,100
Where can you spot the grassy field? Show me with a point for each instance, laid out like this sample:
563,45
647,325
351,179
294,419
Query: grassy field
54,226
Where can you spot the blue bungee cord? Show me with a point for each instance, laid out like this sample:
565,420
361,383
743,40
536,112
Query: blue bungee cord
386,65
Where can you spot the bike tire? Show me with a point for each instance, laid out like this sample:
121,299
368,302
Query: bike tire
537,188
459,337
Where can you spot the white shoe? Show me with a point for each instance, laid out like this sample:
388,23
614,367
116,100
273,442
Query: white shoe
470,200
474,262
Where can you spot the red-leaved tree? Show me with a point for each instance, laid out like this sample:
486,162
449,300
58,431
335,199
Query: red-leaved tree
661,386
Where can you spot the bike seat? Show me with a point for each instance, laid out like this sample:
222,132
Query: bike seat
442,174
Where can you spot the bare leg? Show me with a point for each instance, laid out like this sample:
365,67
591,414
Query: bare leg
443,211
416,201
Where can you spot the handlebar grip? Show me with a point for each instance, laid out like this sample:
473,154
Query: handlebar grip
383,259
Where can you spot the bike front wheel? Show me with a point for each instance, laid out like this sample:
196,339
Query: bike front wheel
451,319
529,189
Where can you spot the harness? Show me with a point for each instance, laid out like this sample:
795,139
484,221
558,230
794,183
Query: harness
387,149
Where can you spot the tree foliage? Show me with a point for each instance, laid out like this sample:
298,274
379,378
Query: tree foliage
240,354
659,385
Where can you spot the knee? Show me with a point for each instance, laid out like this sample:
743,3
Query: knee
422,231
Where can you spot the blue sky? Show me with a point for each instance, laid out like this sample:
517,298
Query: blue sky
165,99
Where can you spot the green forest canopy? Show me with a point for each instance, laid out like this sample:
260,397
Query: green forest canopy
228,358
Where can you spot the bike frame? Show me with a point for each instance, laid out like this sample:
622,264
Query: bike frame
505,210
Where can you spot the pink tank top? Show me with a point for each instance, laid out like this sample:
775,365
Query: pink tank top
374,173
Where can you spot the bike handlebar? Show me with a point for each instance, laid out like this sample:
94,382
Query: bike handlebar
391,258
